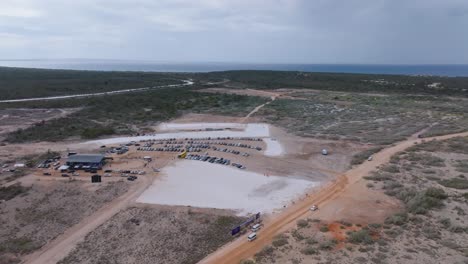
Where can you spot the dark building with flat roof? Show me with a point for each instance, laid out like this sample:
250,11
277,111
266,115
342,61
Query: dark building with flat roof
86,161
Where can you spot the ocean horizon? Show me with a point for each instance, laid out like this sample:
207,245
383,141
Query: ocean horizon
449,70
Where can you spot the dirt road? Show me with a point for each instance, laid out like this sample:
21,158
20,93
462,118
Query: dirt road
273,97
59,248
241,249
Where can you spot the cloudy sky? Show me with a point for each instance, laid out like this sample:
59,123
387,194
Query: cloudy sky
258,31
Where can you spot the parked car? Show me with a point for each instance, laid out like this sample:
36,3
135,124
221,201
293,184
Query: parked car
314,208
252,237
256,227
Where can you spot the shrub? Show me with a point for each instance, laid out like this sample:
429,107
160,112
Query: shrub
324,228
465,195
328,244
431,232
445,222
360,237
20,245
436,193
302,223
247,261
455,183
378,176
90,133
311,241
297,235
10,192
375,225
264,253
391,169
421,202
280,242
397,219
457,229
309,250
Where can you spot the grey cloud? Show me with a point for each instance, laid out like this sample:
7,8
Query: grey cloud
265,31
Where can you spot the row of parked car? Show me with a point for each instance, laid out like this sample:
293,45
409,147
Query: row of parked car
205,138
139,172
239,145
49,162
203,144
170,149
233,151
211,159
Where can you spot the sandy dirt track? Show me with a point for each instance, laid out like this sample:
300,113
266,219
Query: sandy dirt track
62,245
242,249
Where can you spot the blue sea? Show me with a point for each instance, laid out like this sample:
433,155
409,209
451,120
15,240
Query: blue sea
121,65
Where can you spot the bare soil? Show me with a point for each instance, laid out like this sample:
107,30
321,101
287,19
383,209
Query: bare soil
13,119
46,210
155,234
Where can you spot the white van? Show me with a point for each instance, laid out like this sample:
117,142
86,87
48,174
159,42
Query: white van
252,236
256,227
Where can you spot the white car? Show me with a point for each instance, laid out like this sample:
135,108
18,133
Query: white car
370,158
252,237
314,208
256,227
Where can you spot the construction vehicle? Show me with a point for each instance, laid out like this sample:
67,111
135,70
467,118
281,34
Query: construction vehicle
182,155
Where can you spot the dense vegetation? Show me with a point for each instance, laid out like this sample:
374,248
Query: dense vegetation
26,83
382,118
346,82
115,114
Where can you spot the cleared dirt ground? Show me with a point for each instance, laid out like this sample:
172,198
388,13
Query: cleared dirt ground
13,119
45,209
155,234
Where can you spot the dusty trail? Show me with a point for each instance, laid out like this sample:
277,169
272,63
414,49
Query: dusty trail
273,97
59,248
240,249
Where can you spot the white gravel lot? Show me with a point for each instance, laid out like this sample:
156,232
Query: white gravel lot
201,184
273,147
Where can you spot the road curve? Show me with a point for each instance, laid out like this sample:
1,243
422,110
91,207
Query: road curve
186,83
241,249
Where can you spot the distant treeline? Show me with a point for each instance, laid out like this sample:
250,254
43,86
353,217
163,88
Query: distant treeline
16,83
346,82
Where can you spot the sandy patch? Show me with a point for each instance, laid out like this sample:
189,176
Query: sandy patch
273,147
199,126
199,184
